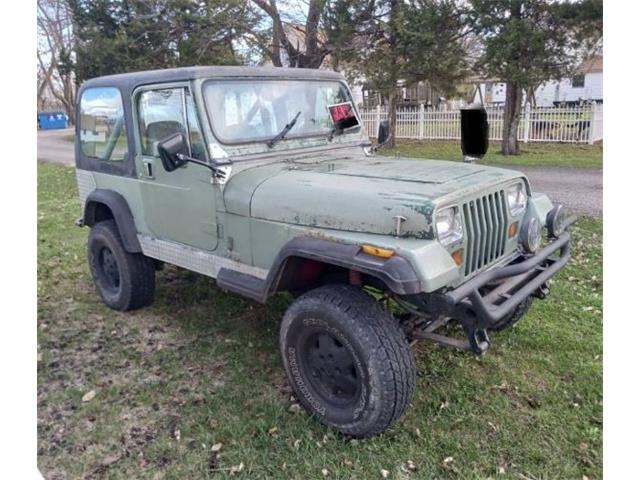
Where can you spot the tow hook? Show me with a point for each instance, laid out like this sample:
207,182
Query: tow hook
478,339
542,291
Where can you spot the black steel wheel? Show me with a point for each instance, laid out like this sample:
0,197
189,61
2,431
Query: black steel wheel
107,269
331,368
124,280
347,360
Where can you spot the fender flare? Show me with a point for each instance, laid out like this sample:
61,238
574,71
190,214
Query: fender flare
121,214
396,272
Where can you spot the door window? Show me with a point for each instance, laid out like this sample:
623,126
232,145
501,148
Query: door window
165,112
103,133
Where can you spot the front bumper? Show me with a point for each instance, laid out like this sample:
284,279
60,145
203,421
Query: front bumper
492,295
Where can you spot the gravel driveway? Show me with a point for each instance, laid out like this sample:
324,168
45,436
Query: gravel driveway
53,147
579,189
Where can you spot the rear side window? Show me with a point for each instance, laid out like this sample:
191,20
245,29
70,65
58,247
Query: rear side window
102,127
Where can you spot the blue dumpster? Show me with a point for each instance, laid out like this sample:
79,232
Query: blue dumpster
52,120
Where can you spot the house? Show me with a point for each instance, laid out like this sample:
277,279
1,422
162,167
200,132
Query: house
421,93
491,92
584,86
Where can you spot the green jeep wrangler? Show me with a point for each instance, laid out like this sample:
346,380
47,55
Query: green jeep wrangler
264,179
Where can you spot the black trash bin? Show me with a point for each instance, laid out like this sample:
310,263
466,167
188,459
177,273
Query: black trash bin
474,132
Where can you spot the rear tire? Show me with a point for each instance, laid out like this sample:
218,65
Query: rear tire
125,281
347,360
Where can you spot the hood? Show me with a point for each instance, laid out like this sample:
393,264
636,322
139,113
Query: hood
361,194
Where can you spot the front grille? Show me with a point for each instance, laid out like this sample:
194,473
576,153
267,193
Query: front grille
485,223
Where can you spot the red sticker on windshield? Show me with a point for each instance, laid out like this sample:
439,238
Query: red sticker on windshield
343,115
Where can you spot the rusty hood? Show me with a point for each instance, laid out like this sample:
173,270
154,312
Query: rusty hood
362,194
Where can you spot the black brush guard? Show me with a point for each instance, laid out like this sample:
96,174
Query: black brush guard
490,296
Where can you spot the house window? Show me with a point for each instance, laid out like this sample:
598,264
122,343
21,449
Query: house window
577,81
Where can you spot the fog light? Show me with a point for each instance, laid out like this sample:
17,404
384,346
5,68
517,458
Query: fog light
556,219
531,235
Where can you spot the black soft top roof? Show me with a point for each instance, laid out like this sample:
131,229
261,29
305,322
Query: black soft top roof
129,81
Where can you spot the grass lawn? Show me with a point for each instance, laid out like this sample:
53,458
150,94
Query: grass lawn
532,154
201,367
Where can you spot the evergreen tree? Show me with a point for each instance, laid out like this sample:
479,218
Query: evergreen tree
128,35
408,42
527,42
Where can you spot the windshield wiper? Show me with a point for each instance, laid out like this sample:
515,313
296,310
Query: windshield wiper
284,131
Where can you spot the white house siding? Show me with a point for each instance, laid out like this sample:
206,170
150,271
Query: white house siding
492,93
548,92
498,93
562,91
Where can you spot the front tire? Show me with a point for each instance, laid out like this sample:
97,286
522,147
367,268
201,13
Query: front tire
347,360
125,281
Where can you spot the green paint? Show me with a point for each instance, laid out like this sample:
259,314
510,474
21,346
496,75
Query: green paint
309,186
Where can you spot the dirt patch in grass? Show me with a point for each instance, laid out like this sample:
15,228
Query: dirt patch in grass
201,368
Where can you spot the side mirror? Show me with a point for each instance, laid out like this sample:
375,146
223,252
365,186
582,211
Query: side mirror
474,130
171,149
383,132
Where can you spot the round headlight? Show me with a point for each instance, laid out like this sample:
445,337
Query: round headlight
516,198
531,235
556,219
449,226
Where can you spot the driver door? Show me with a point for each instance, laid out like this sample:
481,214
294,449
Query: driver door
178,206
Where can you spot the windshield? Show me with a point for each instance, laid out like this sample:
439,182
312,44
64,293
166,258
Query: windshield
244,111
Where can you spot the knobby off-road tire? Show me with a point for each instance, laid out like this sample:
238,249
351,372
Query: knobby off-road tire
512,318
347,360
124,280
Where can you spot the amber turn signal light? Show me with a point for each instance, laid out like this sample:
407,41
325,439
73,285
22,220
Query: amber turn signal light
457,256
513,229
378,251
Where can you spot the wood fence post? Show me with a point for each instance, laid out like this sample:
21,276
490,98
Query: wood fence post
421,120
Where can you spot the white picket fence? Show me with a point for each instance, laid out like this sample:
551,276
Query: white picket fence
580,124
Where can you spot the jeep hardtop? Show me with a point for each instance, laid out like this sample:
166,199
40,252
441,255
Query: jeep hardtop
265,180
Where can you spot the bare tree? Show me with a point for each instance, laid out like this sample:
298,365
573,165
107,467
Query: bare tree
311,51
44,74
55,55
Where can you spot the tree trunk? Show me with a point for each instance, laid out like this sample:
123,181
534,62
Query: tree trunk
312,53
70,99
276,59
531,96
511,120
393,80
392,117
